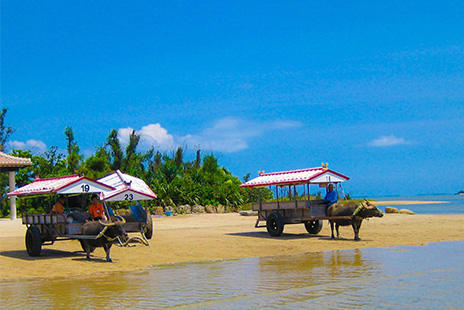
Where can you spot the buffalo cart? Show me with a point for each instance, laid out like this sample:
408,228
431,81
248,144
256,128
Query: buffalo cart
45,229
292,206
131,189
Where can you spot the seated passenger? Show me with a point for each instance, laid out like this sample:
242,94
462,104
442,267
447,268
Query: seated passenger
96,210
330,196
58,208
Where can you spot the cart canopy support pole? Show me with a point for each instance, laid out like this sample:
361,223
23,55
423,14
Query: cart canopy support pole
277,196
11,177
294,196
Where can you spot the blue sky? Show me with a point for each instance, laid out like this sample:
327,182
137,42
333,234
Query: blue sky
375,89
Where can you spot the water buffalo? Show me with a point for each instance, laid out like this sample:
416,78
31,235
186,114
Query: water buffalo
358,213
105,232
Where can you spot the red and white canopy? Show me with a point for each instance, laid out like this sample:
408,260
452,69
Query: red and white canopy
127,187
67,185
318,175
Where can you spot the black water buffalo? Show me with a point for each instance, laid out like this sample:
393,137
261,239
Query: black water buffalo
357,211
105,232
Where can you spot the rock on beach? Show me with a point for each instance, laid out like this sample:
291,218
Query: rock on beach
395,210
391,210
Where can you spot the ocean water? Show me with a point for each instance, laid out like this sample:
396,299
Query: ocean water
453,204
413,277
416,277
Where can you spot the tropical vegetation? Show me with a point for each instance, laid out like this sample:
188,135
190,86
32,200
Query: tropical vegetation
175,179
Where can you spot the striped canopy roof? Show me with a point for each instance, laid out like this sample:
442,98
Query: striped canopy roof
319,175
127,187
72,184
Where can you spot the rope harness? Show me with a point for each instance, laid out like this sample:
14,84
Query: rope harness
356,211
102,234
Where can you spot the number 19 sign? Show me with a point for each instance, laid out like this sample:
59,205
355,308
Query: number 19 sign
84,186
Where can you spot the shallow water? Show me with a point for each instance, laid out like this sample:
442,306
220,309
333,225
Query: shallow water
454,204
419,277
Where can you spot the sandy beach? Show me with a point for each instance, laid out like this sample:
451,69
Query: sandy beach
209,237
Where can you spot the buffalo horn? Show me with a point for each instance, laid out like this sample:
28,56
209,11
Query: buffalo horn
367,202
120,219
106,224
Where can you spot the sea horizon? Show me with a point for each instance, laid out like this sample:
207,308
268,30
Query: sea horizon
452,203
416,195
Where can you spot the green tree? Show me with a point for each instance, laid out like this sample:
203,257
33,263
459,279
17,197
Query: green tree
97,165
25,175
5,131
179,157
73,159
115,152
129,160
52,165
174,179
197,162
255,192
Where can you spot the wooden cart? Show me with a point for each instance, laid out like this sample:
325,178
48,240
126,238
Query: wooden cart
45,229
298,208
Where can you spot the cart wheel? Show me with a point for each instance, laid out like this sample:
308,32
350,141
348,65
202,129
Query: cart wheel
33,241
313,227
83,247
148,231
275,224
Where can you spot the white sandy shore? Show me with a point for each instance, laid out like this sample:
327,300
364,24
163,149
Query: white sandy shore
209,237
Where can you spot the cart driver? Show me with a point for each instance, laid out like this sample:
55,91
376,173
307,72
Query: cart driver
96,210
331,196
58,208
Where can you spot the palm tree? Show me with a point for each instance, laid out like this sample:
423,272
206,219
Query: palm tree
73,159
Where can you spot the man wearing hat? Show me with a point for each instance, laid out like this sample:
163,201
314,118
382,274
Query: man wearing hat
330,196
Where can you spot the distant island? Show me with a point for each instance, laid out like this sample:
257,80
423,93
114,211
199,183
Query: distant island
460,192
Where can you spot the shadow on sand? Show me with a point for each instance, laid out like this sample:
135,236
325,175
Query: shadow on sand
44,254
285,236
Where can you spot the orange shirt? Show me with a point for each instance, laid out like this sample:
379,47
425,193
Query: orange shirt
96,210
58,208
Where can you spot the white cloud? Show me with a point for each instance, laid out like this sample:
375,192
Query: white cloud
231,134
150,135
390,140
16,145
34,146
215,143
123,135
157,133
226,135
